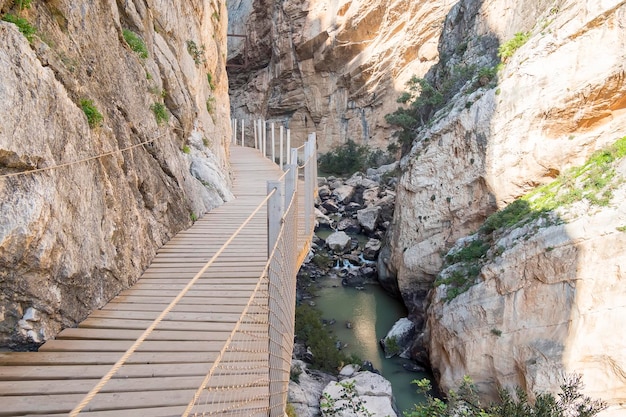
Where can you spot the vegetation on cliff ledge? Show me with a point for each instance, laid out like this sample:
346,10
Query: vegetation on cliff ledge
593,182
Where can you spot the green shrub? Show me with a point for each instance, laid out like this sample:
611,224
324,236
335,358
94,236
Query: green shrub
94,117
197,53
569,402
507,49
186,149
310,331
210,105
290,410
160,113
350,157
22,24
349,403
391,345
472,252
22,4
496,332
136,43
209,78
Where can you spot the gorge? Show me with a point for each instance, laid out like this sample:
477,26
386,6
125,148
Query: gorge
513,300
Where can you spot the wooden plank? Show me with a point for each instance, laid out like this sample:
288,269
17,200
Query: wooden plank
76,386
147,346
63,372
11,406
177,316
133,334
109,358
189,326
244,293
184,308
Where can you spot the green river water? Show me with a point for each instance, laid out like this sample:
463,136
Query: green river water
372,312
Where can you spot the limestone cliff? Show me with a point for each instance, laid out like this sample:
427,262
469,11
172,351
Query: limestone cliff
558,98
71,237
333,66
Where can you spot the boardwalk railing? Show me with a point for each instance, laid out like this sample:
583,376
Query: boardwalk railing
150,348
238,383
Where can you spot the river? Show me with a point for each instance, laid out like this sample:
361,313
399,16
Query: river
372,312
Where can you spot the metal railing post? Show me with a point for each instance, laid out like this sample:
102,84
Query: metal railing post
264,127
289,160
280,147
274,222
274,213
273,153
291,183
256,138
243,129
308,187
293,159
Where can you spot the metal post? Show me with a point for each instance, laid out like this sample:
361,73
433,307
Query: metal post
243,129
264,150
273,153
235,131
289,160
256,139
308,188
280,155
294,156
274,220
274,213
313,139
291,183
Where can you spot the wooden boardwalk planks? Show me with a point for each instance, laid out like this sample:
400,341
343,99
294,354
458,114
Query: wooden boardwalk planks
160,378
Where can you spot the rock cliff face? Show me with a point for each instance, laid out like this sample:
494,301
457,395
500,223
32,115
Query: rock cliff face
71,237
334,67
552,301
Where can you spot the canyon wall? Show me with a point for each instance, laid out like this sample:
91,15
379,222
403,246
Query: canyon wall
71,237
549,305
329,66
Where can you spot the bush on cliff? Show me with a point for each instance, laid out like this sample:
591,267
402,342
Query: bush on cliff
569,402
350,157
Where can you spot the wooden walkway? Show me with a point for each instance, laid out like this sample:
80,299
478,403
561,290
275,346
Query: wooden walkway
161,377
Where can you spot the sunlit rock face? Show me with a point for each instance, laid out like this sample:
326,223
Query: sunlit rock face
333,67
72,237
558,99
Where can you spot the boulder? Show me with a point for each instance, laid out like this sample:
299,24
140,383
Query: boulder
399,338
368,218
358,180
372,249
321,219
376,173
349,225
305,394
339,242
330,206
353,279
371,196
344,193
323,192
370,389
